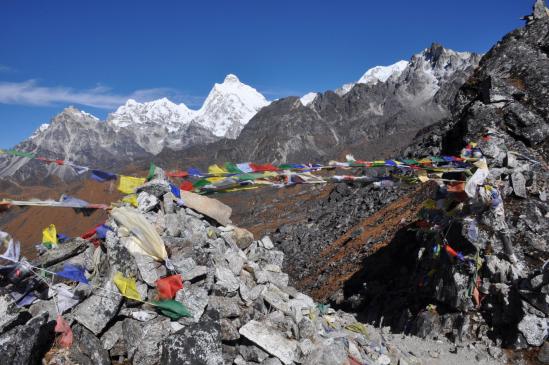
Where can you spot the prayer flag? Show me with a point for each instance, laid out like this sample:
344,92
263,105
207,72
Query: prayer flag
261,168
49,236
63,328
102,176
126,286
232,168
217,171
152,168
13,250
74,273
172,309
193,171
177,174
131,199
186,186
169,286
128,184
175,191
244,167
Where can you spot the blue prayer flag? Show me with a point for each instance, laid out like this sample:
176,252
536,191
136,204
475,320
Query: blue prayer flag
175,191
193,171
73,272
102,176
101,231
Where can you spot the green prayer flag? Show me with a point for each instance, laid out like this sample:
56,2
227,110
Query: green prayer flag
250,176
410,162
200,183
173,309
21,153
231,167
151,171
437,159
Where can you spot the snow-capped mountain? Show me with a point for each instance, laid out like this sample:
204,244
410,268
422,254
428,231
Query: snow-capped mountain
378,114
158,112
138,129
229,107
161,123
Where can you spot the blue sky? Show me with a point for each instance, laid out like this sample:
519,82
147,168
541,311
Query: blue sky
95,54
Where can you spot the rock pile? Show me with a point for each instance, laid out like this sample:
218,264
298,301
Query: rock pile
242,310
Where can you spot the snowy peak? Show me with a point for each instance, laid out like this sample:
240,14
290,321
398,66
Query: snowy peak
383,73
229,106
161,113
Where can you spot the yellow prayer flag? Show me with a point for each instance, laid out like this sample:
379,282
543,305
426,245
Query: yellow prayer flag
216,170
130,199
215,179
128,184
49,236
126,286
422,176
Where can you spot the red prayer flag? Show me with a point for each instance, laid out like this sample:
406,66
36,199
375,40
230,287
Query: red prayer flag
450,251
186,186
177,174
63,328
169,286
262,168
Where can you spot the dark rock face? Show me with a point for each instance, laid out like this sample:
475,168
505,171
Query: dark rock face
196,344
27,344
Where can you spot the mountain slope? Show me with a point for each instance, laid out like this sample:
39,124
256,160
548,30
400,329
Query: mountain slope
371,119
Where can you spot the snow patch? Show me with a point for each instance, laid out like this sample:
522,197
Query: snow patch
382,73
308,98
39,130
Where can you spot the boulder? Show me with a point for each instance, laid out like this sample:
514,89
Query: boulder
270,340
27,344
195,344
534,329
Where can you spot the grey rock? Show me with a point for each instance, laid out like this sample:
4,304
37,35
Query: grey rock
534,329
155,187
26,344
229,332
143,339
519,184
169,203
252,353
227,307
96,311
270,340
112,335
272,361
146,202
87,349
196,344
141,315
63,252
173,226
150,270
10,313
226,279
267,243
327,353
195,298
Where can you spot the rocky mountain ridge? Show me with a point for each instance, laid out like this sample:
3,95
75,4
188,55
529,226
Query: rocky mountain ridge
373,119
